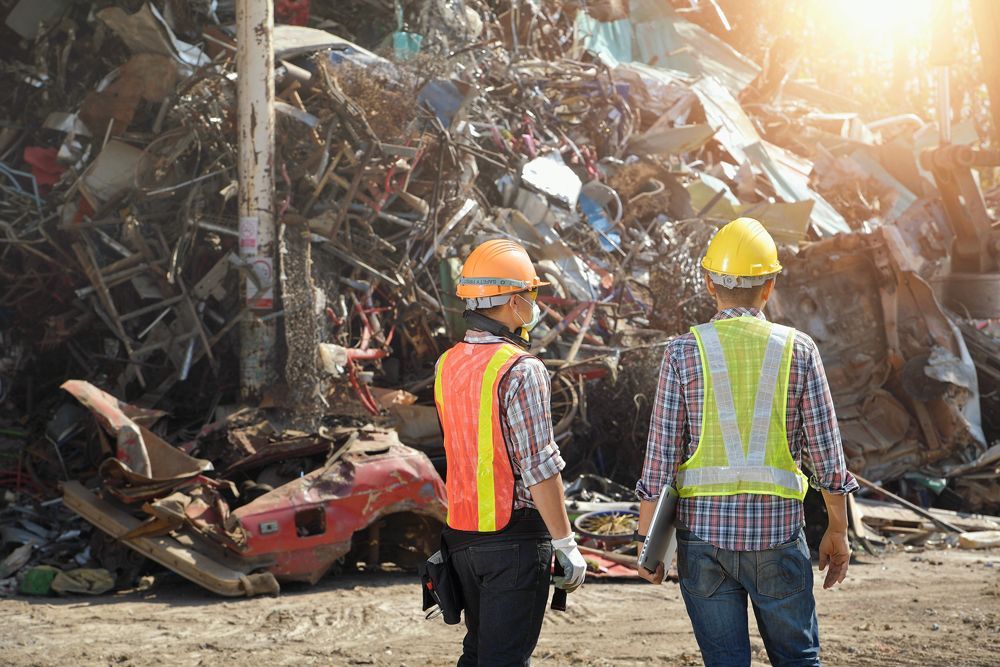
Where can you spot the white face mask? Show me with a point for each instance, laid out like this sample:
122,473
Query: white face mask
536,315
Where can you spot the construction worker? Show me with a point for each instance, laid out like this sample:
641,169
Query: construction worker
740,403
505,491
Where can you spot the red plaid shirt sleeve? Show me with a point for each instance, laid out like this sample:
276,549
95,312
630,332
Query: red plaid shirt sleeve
527,395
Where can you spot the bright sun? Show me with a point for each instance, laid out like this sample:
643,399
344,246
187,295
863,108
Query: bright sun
873,24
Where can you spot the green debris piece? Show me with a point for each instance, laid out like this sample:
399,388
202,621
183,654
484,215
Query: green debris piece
935,484
38,580
405,45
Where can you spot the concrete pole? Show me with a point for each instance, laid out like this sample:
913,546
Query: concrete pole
255,85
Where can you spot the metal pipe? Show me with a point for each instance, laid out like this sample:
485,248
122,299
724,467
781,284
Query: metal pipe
942,54
188,357
366,355
255,69
944,105
900,119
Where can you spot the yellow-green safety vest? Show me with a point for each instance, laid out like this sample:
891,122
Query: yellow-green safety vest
743,446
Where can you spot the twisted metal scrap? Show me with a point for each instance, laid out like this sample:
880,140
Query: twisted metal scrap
677,280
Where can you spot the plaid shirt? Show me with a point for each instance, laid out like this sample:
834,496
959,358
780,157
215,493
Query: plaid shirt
526,419
743,522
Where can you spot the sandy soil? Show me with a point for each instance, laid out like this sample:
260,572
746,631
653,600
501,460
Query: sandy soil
932,608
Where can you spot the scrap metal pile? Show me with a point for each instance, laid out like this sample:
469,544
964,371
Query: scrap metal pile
610,141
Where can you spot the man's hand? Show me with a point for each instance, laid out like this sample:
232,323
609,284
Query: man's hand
573,564
835,551
651,577
646,510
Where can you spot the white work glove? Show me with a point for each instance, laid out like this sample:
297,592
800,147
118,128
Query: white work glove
573,565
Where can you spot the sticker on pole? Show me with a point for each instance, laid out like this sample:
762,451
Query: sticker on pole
260,286
248,235
260,293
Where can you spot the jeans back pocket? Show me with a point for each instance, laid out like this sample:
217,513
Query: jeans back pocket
700,572
782,571
495,565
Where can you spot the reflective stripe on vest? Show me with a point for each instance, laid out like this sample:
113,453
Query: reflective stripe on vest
480,481
725,463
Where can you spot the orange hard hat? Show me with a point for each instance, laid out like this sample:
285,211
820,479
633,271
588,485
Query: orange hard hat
495,268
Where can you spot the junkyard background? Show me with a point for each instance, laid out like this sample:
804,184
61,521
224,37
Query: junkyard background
250,409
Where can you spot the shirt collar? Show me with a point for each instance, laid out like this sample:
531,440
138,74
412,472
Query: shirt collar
479,336
729,313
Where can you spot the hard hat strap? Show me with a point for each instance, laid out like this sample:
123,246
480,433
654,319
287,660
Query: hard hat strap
483,302
731,282
494,282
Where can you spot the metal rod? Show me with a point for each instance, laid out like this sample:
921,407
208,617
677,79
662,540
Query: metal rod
149,309
584,328
941,523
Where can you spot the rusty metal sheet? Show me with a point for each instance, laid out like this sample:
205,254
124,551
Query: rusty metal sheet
878,328
186,561
142,456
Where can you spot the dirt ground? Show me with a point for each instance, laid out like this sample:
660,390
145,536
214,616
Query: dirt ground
930,608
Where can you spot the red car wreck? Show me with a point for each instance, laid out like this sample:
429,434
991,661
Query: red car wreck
308,524
371,499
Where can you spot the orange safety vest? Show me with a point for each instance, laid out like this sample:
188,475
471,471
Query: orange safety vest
480,480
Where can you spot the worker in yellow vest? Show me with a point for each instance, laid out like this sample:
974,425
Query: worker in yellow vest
741,402
505,494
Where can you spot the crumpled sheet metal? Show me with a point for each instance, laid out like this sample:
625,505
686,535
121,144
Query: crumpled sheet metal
879,328
655,33
230,578
142,456
738,135
721,74
146,31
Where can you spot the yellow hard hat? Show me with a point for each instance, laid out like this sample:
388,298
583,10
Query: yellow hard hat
741,249
496,268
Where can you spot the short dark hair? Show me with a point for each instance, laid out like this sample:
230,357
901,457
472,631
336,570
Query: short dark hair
743,297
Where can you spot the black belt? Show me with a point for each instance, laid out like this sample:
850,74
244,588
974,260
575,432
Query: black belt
525,524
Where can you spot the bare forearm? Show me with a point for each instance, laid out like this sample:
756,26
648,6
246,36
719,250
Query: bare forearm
835,548
836,511
548,498
646,509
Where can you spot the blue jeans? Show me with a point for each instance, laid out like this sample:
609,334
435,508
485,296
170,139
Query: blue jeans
715,584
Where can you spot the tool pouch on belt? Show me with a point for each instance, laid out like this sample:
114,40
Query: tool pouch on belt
440,587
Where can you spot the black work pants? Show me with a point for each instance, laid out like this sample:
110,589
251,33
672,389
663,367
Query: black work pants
505,586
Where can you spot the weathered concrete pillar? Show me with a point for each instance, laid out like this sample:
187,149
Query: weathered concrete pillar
255,68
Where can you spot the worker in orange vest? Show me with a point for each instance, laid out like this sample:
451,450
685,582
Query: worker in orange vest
505,491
